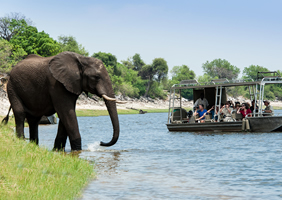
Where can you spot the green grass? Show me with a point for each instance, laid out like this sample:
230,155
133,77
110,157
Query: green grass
95,113
31,172
276,107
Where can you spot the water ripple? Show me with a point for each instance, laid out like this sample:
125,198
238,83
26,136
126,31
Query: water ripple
149,162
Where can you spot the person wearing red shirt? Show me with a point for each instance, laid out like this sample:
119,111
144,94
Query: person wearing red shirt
245,110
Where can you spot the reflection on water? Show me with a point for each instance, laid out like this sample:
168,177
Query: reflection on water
149,162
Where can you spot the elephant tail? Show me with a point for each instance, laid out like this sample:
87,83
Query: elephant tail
6,119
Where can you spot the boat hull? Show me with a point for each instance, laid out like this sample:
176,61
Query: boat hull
266,124
257,124
213,127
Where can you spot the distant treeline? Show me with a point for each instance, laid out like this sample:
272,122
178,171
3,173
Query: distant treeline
132,77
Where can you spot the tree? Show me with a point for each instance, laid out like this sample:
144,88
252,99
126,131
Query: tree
205,78
34,42
11,24
180,73
25,39
252,70
69,43
221,69
147,73
5,52
135,62
138,63
108,59
161,68
154,72
9,55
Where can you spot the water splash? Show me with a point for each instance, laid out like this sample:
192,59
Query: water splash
95,147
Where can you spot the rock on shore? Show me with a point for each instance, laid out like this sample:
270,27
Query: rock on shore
143,103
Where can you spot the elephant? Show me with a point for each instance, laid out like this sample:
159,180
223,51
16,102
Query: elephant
46,85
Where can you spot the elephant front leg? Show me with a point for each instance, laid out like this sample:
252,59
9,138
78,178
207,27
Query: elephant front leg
61,139
64,104
68,127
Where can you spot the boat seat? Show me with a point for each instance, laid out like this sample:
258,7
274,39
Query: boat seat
236,116
208,118
176,114
192,119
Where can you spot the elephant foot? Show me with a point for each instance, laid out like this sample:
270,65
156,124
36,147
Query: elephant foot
59,146
58,149
21,136
76,144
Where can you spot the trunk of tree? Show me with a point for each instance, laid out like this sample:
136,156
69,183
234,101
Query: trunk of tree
148,87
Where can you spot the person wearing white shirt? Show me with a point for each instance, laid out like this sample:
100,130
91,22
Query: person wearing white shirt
201,100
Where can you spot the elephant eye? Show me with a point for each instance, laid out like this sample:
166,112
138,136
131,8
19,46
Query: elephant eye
95,77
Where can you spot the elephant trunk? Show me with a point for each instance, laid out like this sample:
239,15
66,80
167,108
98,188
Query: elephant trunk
111,106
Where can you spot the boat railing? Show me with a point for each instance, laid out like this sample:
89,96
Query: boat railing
194,82
270,74
264,114
271,79
222,80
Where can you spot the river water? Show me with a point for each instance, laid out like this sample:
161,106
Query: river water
149,162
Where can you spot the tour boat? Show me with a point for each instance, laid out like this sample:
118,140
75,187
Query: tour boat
216,92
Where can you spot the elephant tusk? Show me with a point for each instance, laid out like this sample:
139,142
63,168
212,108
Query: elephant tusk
108,98
112,99
121,102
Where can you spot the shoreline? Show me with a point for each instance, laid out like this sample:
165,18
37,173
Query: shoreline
86,106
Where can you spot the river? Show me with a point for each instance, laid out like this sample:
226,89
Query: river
149,162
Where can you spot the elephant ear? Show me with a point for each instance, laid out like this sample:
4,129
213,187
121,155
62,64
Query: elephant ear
66,68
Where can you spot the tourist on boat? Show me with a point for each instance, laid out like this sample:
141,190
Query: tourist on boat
245,110
268,110
201,100
211,111
254,106
231,104
237,106
201,111
226,111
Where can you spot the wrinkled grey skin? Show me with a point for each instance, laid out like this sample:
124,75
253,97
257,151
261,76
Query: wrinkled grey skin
42,86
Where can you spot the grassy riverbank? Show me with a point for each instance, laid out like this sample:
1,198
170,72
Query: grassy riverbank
30,172
95,113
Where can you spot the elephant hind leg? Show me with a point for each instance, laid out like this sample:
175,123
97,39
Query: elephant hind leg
61,138
19,113
19,119
33,128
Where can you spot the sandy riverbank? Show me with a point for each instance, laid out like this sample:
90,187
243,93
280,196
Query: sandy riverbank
142,103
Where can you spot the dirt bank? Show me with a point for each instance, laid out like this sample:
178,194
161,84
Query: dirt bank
84,102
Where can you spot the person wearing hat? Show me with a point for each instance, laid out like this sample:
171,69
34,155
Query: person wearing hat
268,110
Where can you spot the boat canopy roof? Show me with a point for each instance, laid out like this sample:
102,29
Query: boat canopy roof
224,82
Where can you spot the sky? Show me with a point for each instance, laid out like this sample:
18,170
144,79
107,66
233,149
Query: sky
183,32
